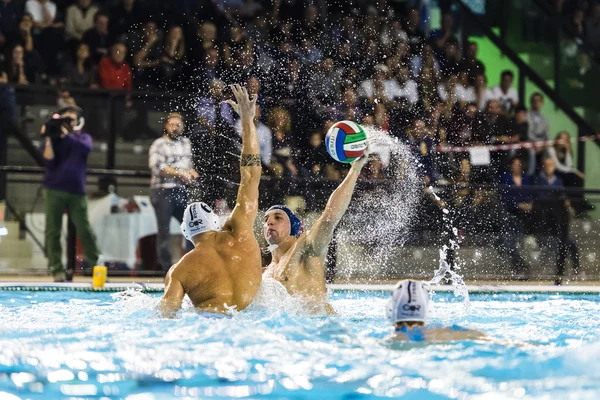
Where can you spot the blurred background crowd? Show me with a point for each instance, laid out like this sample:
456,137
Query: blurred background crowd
311,64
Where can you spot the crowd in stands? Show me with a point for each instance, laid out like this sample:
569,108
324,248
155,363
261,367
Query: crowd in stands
311,64
582,19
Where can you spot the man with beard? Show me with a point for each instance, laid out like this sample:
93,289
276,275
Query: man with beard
170,160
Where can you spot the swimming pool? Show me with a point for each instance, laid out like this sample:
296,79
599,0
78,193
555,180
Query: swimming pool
104,345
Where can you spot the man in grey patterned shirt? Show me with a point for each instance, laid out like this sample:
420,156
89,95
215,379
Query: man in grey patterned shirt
170,159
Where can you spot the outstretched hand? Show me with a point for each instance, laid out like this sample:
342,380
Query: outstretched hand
245,106
360,162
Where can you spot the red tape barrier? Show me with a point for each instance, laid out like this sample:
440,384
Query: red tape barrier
514,146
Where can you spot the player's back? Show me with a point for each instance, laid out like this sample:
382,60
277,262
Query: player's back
220,272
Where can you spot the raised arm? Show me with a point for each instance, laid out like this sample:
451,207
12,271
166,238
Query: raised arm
172,299
246,206
321,233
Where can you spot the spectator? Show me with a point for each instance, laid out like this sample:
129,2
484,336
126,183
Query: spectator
257,29
575,24
147,60
343,58
126,16
369,59
209,70
308,53
98,38
233,48
538,130
310,27
416,37
406,88
379,87
285,83
346,33
284,156
520,127
254,88
470,63
592,28
503,230
43,13
579,87
245,67
392,34
204,40
324,89
401,55
428,89
66,158
423,59
173,56
81,71
47,32
493,127
462,126
450,59
10,15
212,111
465,91
518,202
315,161
215,131
369,27
170,160
20,67
562,155
552,216
505,92
440,38
482,93
113,71
420,139
448,91
349,109
80,18
24,36
265,138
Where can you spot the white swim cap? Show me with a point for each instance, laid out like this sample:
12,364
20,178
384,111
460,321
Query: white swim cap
409,302
199,218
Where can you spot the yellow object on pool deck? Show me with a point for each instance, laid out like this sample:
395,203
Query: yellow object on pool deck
99,276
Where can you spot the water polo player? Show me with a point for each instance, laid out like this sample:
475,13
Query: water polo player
223,271
298,258
407,309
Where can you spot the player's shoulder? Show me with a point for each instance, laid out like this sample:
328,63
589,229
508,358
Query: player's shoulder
184,263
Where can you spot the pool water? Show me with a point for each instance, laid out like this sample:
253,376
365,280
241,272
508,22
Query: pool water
103,345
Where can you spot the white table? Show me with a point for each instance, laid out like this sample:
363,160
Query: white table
118,234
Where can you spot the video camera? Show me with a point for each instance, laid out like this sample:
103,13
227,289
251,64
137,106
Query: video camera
54,127
55,124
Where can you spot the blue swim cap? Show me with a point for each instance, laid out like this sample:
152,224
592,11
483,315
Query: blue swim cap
295,222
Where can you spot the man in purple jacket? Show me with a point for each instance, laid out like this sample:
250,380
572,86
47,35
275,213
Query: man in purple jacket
66,153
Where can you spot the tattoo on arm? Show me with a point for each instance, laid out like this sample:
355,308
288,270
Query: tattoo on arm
250,160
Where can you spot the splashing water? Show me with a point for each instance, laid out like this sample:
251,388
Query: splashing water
380,217
445,271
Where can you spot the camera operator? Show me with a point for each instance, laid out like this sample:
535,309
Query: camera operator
66,149
170,159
